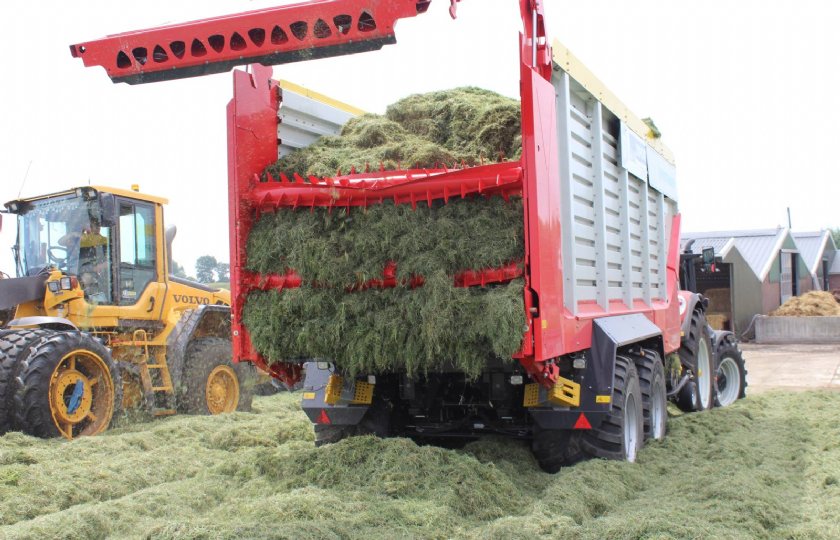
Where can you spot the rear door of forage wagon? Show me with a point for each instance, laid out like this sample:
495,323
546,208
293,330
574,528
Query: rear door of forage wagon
601,194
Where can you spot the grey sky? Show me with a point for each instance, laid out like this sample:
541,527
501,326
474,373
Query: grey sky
745,94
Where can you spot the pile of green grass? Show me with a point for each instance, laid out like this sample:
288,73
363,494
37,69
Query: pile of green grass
766,467
412,329
400,329
416,330
343,248
450,126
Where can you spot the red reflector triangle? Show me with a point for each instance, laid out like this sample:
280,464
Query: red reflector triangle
323,418
582,422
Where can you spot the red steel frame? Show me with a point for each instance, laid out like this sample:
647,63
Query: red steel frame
252,145
303,31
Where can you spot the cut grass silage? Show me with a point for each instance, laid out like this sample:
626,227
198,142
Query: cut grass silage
416,330
767,467
376,330
451,126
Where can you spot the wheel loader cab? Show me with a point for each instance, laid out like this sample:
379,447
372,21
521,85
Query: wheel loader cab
111,242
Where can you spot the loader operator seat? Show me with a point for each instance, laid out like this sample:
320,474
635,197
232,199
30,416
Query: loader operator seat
87,257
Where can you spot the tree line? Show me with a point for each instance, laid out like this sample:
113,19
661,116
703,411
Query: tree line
207,270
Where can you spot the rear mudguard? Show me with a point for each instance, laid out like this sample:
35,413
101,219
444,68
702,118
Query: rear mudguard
690,301
721,338
55,323
314,405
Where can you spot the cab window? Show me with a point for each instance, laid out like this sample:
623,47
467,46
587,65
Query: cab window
137,250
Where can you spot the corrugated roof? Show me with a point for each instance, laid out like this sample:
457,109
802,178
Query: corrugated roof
758,247
835,264
721,244
812,246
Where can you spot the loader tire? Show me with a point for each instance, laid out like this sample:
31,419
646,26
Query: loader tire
70,387
211,382
730,375
696,355
621,435
13,347
654,393
555,448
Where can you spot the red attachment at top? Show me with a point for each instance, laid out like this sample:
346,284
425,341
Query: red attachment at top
402,187
279,35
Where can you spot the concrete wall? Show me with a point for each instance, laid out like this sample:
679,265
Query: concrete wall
797,330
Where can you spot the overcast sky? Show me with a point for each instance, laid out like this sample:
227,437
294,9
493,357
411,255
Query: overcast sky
745,94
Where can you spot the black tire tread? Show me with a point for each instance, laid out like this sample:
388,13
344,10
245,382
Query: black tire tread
201,357
556,448
650,369
729,347
330,434
687,398
607,441
13,347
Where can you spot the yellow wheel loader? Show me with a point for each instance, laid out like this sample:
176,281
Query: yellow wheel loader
100,325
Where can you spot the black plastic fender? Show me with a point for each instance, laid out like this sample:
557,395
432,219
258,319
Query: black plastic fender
695,300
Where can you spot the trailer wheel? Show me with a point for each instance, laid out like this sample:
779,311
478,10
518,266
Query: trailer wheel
212,383
13,347
654,394
621,435
731,375
696,354
555,448
71,387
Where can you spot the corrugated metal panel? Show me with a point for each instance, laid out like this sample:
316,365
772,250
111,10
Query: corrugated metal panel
759,251
701,242
811,247
304,118
758,248
618,224
835,264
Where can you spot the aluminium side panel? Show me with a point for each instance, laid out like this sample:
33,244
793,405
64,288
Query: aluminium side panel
304,119
619,201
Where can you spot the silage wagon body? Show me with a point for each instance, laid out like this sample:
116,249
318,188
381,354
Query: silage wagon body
599,266
601,226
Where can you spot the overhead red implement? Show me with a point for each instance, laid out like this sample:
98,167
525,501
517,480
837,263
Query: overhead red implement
279,35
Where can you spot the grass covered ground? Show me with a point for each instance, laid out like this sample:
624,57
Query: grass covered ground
767,467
